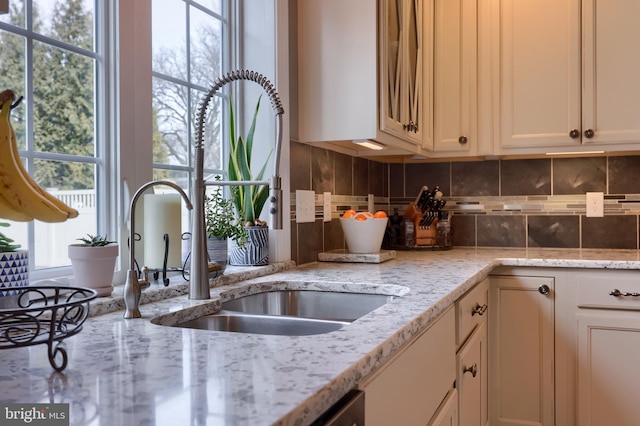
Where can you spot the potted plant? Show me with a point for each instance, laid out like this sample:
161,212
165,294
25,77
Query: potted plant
247,200
14,269
220,225
93,262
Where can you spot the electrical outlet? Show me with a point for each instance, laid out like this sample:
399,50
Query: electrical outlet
372,204
326,207
305,206
595,204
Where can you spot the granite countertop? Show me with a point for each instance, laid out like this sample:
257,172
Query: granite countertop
130,372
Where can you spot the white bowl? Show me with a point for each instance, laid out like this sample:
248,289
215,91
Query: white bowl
364,236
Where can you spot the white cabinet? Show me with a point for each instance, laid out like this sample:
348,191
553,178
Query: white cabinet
472,357
566,75
608,348
409,389
405,69
447,414
455,77
364,72
521,347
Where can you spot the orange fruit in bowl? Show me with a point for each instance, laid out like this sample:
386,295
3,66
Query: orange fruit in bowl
368,214
379,215
348,214
361,217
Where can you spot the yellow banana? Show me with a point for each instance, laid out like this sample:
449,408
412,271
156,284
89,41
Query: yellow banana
71,212
14,186
8,212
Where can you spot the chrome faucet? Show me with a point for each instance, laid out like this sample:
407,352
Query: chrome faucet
199,273
133,286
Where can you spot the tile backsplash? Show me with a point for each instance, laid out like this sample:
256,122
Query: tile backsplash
494,203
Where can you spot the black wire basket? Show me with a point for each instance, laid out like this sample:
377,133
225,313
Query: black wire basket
46,315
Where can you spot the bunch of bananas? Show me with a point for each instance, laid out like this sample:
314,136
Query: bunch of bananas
21,198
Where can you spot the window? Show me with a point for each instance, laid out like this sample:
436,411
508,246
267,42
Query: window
189,39
53,55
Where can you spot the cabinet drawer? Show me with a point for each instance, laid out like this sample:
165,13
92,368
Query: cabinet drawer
609,289
471,310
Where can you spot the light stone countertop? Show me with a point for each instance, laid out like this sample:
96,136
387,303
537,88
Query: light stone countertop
133,372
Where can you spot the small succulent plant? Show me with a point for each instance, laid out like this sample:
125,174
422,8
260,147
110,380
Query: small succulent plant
7,244
95,240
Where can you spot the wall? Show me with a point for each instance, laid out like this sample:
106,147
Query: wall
494,203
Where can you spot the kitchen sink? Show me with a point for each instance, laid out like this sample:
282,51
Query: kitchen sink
263,324
326,305
285,312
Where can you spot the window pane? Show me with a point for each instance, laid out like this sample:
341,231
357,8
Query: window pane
51,239
63,101
70,21
169,38
205,48
213,5
171,140
12,64
180,178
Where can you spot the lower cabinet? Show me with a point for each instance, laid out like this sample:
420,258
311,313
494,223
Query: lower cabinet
409,389
521,347
608,321
472,379
447,414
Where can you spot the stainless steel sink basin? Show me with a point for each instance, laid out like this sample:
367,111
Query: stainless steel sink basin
263,324
283,312
327,305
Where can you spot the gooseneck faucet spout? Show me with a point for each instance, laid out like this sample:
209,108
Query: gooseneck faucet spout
199,273
133,286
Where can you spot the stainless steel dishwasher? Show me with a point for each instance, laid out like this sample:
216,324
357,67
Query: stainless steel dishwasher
349,411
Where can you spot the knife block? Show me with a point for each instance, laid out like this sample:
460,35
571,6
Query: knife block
425,235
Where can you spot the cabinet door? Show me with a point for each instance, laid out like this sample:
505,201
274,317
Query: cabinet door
608,377
409,389
404,68
447,415
522,350
455,76
611,62
540,73
472,380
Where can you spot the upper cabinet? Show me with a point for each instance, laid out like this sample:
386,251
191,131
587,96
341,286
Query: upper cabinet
455,77
403,75
364,72
567,75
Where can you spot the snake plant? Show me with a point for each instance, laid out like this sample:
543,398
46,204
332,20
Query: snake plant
248,200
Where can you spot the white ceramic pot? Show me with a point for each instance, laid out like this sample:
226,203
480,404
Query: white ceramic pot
93,267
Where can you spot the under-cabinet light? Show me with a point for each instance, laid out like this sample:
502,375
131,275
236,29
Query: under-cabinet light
368,144
575,153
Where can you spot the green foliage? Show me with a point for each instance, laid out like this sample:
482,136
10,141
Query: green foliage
6,243
220,220
248,200
95,240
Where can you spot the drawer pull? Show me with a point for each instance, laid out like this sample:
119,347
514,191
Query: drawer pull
479,309
473,370
618,293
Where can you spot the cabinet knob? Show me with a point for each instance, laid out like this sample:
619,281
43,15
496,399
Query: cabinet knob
589,133
574,134
544,289
479,309
462,140
473,370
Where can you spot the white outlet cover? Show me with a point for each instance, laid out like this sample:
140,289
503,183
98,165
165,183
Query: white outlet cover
305,206
595,204
326,207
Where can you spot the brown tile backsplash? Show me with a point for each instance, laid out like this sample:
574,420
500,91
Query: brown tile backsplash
494,203
579,175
